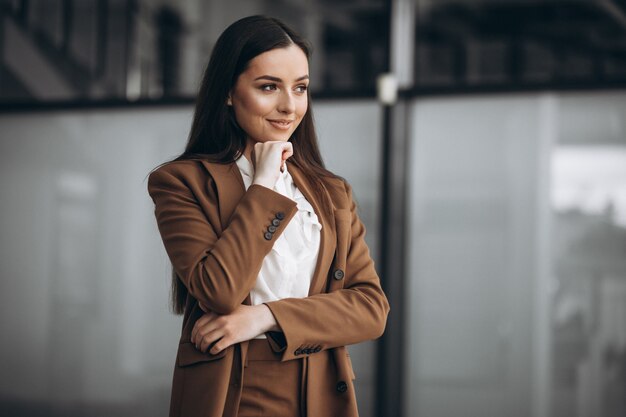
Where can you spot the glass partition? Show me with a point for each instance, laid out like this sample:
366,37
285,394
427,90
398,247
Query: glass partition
517,266
85,278
588,205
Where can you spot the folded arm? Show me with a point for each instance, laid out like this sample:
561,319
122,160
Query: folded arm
218,270
353,314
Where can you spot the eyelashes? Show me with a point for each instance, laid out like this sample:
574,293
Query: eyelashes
302,88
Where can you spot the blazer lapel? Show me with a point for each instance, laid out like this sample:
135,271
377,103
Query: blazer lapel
328,239
230,188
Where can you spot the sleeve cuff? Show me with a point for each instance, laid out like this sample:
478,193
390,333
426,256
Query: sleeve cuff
277,341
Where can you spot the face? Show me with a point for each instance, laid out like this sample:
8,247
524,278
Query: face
270,97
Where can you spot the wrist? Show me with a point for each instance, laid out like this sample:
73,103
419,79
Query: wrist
268,320
264,182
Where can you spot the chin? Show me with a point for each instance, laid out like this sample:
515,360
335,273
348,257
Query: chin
283,138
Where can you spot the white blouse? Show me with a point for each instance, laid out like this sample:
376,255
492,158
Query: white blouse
288,268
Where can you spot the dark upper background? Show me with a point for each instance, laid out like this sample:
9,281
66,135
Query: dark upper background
92,51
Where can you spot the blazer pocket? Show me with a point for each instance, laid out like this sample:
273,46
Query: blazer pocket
189,355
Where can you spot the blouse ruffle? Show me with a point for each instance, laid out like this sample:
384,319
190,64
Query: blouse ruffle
298,245
288,268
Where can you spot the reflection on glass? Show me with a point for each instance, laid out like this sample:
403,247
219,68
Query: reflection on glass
74,290
589,304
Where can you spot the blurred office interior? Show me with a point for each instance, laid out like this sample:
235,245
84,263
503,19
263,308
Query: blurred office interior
493,189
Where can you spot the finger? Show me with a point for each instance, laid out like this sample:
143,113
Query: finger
199,332
196,334
220,345
200,324
197,326
287,151
208,339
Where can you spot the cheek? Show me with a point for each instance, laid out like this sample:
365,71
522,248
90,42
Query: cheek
301,107
252,105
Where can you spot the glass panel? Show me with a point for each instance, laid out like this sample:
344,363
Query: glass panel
470,255
85,277
517,266
588,350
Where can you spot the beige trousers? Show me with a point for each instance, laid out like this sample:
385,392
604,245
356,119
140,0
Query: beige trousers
271,388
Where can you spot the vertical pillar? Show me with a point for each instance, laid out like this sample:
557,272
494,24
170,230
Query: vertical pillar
391,347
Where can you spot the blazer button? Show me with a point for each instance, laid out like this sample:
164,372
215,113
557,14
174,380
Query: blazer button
338,274
275,222
271,229
268,235
342,386
280,215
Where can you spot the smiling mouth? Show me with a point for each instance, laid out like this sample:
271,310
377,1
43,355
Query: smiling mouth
281,124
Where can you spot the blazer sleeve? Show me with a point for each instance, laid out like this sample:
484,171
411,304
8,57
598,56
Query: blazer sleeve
353,314
218,269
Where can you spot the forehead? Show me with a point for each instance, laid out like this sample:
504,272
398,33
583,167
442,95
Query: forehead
290,62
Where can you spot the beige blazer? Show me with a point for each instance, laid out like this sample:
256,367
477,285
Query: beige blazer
216,236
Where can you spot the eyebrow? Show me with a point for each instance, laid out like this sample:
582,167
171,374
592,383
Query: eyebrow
278,80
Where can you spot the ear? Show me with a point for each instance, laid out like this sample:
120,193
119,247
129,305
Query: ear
229,100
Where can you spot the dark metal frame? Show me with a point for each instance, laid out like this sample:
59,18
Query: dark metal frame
391,347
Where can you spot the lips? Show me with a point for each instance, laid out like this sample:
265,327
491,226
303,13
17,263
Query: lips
281,124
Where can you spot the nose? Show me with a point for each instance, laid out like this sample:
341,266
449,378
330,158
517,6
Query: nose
286,103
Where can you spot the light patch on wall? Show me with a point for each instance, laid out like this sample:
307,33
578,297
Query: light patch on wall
591,180
76,185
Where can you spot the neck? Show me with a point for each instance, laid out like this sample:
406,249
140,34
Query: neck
247,152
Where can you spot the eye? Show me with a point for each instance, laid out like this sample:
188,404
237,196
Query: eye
302,88
268,87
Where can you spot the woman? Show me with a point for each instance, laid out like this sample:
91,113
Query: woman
270,266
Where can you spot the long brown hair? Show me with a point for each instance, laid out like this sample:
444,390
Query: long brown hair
215,134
